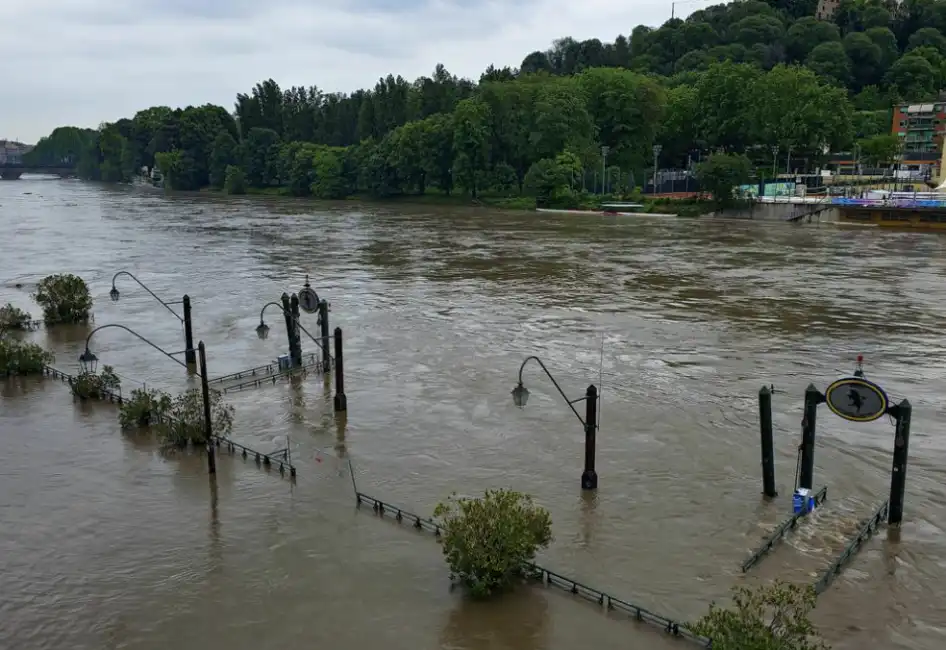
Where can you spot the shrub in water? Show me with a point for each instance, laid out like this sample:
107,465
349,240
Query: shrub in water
235,180
64,299
18,358
771,617
12,318
143,408
184,424
92,385
487,542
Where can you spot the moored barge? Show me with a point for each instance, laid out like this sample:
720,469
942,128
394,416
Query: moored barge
903,210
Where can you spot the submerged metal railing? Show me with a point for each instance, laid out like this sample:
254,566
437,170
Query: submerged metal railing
264,371
546,576
776,536
299,371
866,531
281,458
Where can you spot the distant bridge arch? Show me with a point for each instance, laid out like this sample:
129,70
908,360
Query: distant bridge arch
12,171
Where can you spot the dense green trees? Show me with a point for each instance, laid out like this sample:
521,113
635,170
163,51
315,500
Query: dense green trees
743,78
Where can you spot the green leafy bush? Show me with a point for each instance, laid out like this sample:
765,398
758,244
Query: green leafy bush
144,408
235,180
92,385
772,617
64,298
487,542
12,318
721,174
184,424
18,358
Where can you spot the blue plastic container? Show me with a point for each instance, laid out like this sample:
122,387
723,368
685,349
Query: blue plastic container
802,501
283,362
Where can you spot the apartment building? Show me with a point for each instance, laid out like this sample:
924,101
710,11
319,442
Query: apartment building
11,152
921,129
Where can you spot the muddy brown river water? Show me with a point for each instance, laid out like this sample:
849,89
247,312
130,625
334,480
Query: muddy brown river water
105,543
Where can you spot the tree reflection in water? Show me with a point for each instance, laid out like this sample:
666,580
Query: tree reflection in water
513,621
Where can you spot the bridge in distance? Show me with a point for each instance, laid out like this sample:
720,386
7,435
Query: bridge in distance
12,171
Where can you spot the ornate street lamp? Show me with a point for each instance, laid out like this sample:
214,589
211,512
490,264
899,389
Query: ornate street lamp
190,356
89,362
262,330
520,396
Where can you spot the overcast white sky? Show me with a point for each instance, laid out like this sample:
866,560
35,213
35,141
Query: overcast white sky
83,62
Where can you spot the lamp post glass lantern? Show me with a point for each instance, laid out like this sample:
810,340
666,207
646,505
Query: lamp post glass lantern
114,294
262,330
520,395
88,361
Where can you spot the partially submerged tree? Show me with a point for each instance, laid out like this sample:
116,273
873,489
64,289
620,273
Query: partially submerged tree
64,298
96,385
182,424
12,318
772,617
488,542
143,408
234,180
19,358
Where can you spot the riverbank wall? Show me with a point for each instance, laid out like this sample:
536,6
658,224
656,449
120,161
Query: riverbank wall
778,212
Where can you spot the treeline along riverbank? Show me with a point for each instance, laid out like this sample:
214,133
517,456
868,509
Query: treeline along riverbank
751,78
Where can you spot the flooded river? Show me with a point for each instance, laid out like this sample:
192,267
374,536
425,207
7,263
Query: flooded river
105,543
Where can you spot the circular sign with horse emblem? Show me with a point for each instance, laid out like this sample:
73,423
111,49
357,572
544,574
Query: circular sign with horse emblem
856,399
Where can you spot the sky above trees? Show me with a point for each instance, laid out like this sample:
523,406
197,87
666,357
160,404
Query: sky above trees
82,62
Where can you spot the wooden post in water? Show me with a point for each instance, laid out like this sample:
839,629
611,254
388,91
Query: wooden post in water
589,477
208,422
898,477
190,356
768,445
813,398
296,332
341,401
323,324
287,313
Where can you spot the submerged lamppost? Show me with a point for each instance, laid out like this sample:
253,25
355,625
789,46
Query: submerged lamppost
293,326
89,362
520,396
189,354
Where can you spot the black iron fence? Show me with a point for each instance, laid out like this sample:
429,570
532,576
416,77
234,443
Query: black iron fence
779,533
867,530
673,186
265,371
271,372
546,576
282,459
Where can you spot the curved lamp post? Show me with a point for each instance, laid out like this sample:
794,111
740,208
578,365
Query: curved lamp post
262,330
189,354
520,396
89,362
